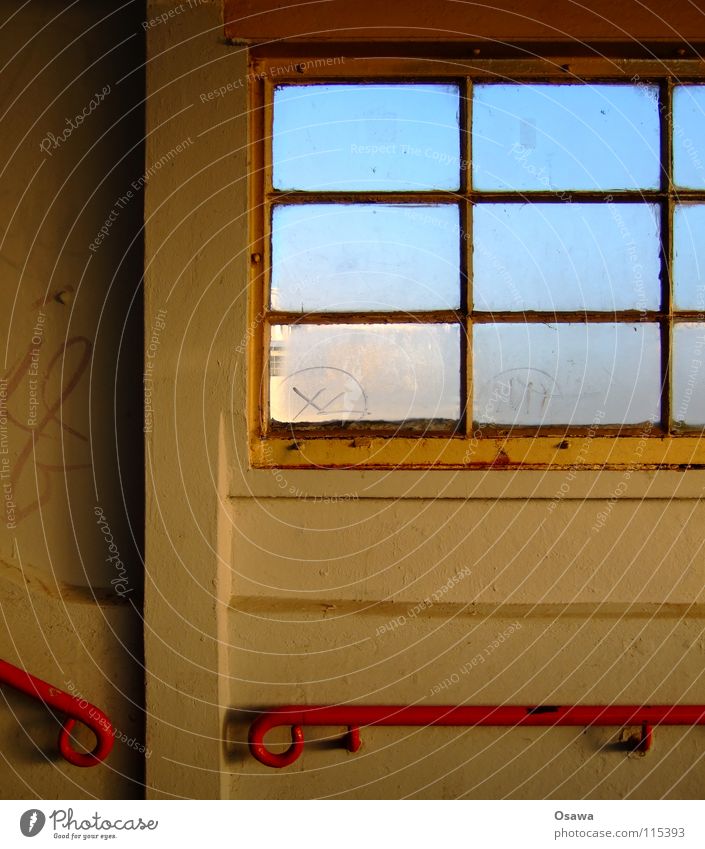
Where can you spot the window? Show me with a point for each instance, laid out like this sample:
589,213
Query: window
501,267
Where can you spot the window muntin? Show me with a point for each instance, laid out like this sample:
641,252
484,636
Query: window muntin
643,305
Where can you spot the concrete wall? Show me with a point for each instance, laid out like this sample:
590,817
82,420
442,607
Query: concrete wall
259,595
72,127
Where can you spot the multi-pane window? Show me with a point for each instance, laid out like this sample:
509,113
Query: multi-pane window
484,262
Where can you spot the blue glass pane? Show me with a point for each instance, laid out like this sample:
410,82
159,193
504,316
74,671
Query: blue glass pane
366,137
562,137
328,257
577,256
689,256
689,136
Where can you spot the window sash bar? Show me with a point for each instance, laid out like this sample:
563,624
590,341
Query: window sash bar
432,196
482,317
666,253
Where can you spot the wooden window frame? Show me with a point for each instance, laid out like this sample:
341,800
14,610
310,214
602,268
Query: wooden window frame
470,446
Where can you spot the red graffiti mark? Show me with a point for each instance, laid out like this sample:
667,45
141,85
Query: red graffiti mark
49,422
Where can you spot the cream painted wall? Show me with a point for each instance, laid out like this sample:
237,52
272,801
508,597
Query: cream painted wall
70,429
266,588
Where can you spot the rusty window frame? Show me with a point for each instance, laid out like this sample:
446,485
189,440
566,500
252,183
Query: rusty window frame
469,446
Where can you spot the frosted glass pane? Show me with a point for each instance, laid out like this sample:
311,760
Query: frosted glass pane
539,374
328,257
565,137
394,372
689,136
544,256
366,137
689,257
688,402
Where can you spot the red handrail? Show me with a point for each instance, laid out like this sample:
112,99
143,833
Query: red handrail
77,710
354,716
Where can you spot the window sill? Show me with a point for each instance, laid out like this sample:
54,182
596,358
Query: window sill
629,453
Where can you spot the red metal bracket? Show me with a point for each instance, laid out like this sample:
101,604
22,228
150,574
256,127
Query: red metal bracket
77,710
355,716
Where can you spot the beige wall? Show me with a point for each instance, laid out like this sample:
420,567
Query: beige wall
70,430
257,598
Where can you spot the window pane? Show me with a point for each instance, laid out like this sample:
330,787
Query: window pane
688,129
366,137
328,257
534,374
549,256
565,137
689,257
689,374
393,373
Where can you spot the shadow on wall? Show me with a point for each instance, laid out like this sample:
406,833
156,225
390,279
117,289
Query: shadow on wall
71,260
71,455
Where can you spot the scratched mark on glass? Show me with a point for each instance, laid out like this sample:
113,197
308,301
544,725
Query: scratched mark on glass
325,392
391,372
563,374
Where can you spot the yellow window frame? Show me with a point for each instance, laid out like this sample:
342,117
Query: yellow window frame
651,446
